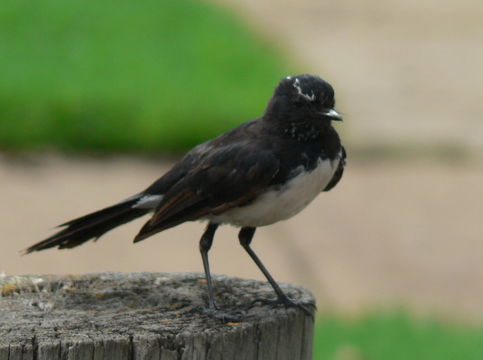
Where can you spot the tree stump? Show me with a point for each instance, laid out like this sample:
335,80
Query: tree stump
147,316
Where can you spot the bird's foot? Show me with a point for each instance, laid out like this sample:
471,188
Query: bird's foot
223,315
307,307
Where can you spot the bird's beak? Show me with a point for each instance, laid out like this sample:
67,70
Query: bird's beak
332,115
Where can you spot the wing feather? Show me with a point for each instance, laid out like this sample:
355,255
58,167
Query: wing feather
231,176
338,172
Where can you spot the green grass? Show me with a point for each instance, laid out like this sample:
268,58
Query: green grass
395,336
119,75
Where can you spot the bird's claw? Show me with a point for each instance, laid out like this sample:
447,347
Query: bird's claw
307,307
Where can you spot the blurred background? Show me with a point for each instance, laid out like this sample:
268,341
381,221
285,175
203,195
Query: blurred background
99,98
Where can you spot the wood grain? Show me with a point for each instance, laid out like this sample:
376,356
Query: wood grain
146,316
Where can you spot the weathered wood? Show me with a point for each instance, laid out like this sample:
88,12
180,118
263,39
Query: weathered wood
155,316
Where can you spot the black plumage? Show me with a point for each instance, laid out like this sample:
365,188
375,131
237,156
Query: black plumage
283,158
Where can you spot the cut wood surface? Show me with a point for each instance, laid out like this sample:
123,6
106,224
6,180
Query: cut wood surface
147,316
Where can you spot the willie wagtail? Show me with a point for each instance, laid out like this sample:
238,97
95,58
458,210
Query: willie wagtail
263,171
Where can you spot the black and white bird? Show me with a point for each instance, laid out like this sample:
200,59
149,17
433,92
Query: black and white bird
263,171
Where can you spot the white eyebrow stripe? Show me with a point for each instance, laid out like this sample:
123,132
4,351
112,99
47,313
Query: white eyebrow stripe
296,84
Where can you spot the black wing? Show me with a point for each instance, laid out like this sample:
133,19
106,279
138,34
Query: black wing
338,172
226,177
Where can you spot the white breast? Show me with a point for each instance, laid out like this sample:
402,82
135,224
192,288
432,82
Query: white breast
281,203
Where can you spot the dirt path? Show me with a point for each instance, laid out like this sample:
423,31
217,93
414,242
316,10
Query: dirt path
405,234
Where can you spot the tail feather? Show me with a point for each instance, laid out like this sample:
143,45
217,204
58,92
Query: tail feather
90,226
86,219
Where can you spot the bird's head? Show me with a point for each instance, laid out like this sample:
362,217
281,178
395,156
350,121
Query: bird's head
303,98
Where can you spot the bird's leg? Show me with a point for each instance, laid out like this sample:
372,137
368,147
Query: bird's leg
245,236
205,244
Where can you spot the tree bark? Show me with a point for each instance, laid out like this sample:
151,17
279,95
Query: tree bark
147,316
